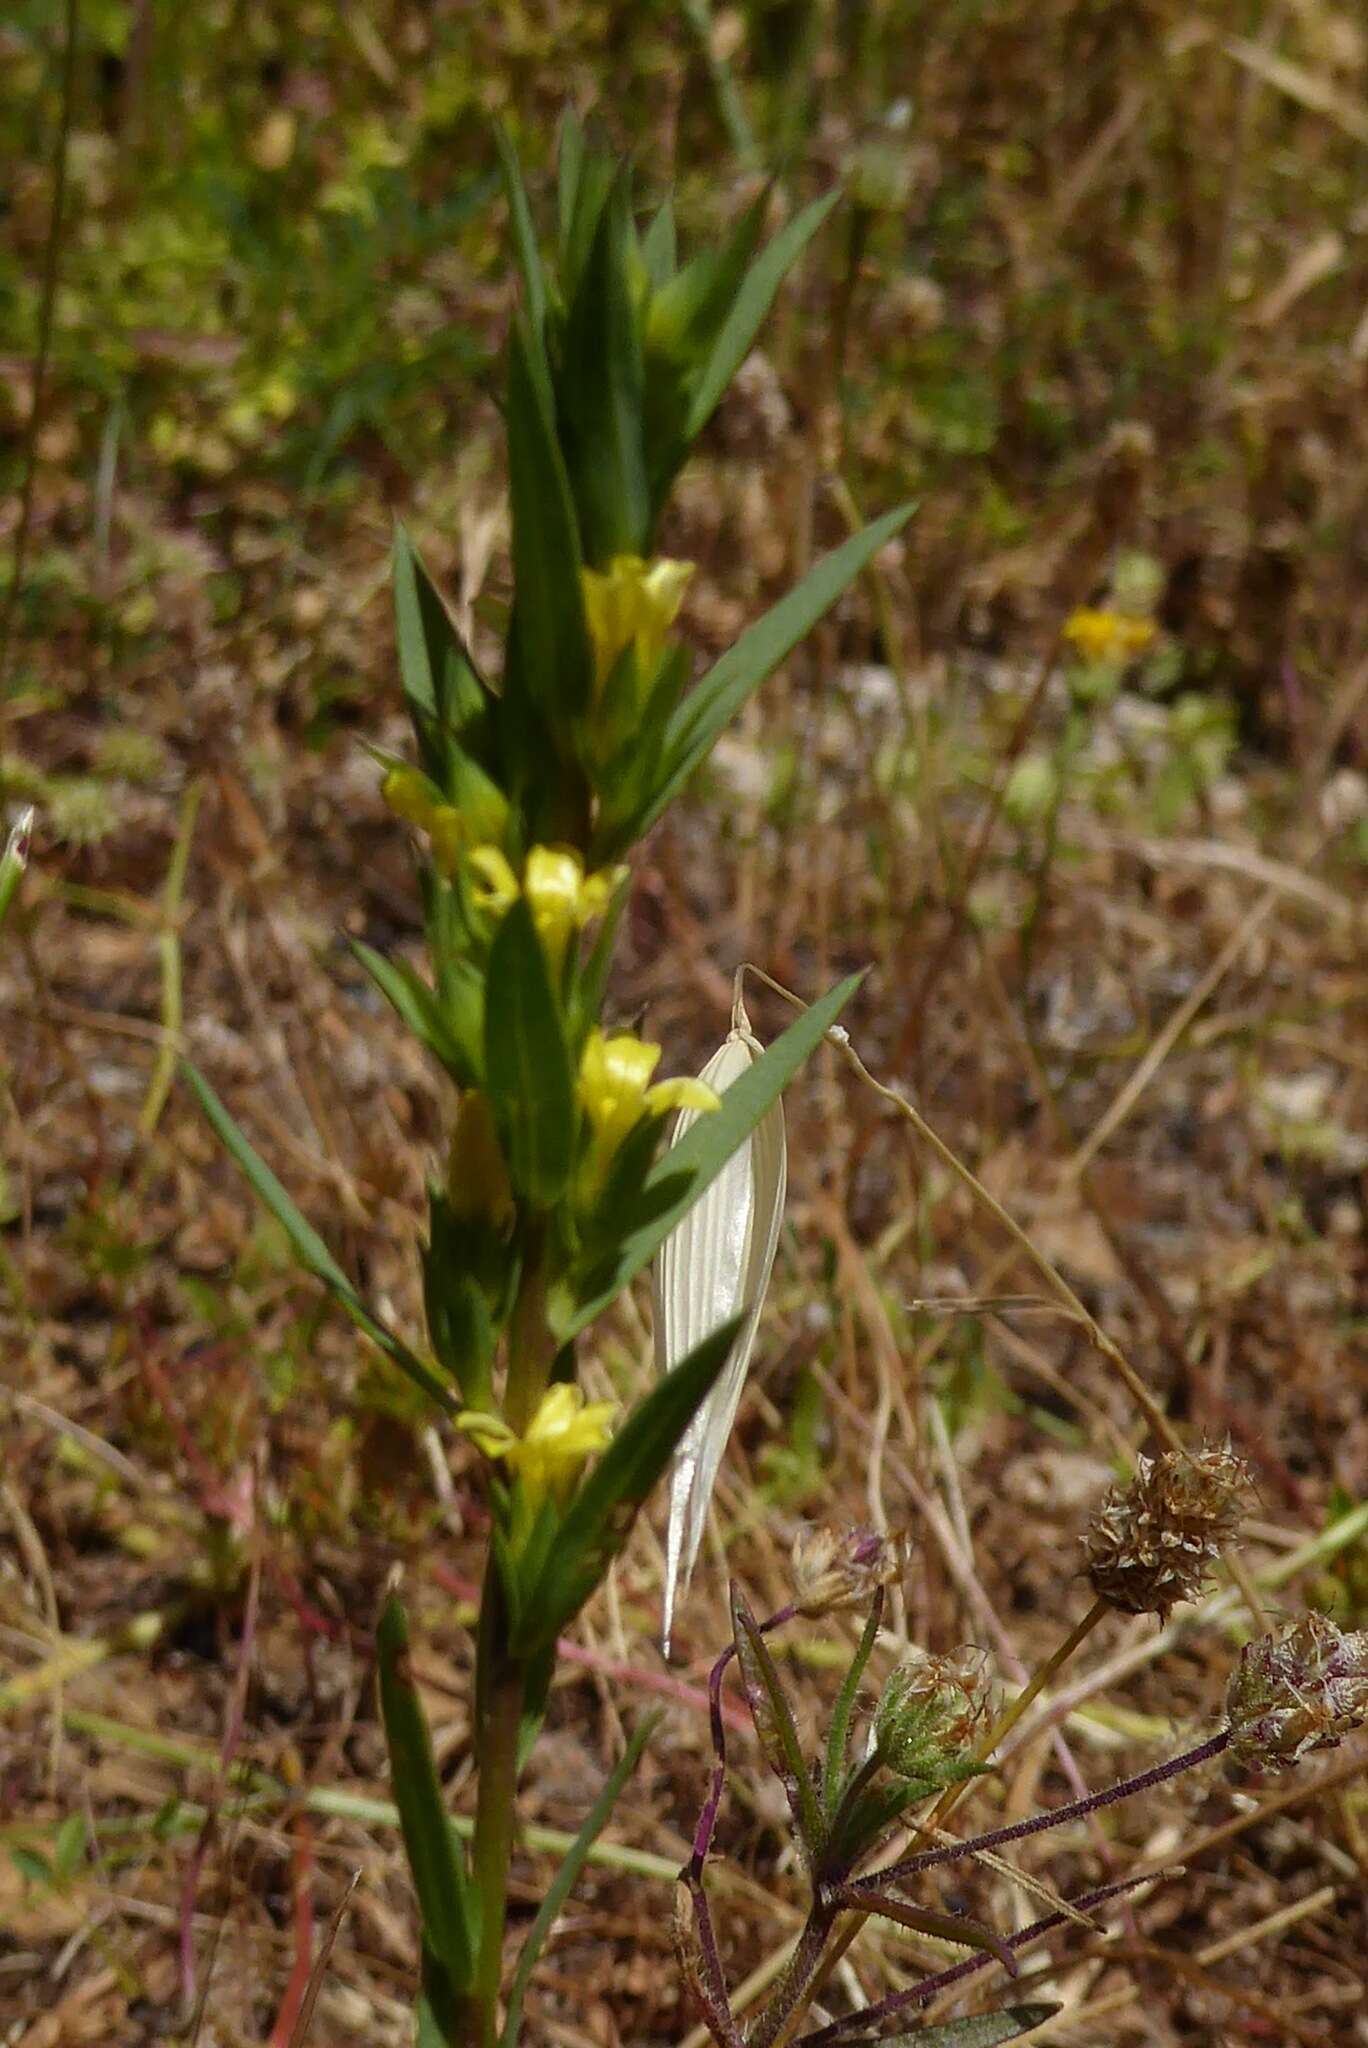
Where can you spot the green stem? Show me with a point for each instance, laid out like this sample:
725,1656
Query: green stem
531,1347
497,1756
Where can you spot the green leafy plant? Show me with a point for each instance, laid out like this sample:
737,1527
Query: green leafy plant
527,792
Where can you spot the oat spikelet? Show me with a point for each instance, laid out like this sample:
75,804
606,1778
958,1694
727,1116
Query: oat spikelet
1153,1543
1299,1688
714,1264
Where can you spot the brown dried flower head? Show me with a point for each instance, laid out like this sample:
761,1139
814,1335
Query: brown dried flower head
1302,1687
838,1568
1153,1542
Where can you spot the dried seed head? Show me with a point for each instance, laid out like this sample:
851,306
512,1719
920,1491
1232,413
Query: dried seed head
839,1568
1153,1542
930,1714
1302,1687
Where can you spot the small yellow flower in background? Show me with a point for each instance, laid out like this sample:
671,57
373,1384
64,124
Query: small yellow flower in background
632,603
564,1432
1108,636
616,1091
478,1186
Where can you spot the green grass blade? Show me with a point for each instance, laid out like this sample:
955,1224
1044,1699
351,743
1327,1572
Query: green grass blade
686,1169
566,1877
307,1245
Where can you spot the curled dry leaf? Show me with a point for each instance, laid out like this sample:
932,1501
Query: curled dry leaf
714,1265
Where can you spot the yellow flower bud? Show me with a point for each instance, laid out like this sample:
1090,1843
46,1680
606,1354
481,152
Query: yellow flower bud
447,833
632,603
496,885
410,796
563,1433
478,1186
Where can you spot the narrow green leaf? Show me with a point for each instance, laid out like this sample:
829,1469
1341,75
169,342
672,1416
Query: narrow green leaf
569,163
524,236
775,1727
599,393
979,2030
751,304
566,1877
32,1865
418,1006
838,1735
527,1061
599,1518
552,644
716,699
658,247
438,676
688,311
307,1245
690,1166
593,182
435,1860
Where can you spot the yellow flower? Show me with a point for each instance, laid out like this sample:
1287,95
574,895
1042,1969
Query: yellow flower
616,1091
1108,636
632,603
564,1432
562,898
495,886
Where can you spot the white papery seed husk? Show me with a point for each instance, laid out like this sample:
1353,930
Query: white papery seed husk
716,1262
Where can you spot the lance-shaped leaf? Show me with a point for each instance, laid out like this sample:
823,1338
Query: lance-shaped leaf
716,699
434,1855
979,2030
527,1062
550,644
599,393
748,310
774,1725
717,1259
679,1178
307,1245
600,1517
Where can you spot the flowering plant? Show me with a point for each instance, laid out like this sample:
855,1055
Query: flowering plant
527,792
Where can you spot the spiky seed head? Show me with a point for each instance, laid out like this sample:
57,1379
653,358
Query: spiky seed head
1301,1687
839,1568
1153,1543
930,1713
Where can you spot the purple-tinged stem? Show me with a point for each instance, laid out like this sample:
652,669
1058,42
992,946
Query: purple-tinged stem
712,1988
707,1819
945,1980
1078,1809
